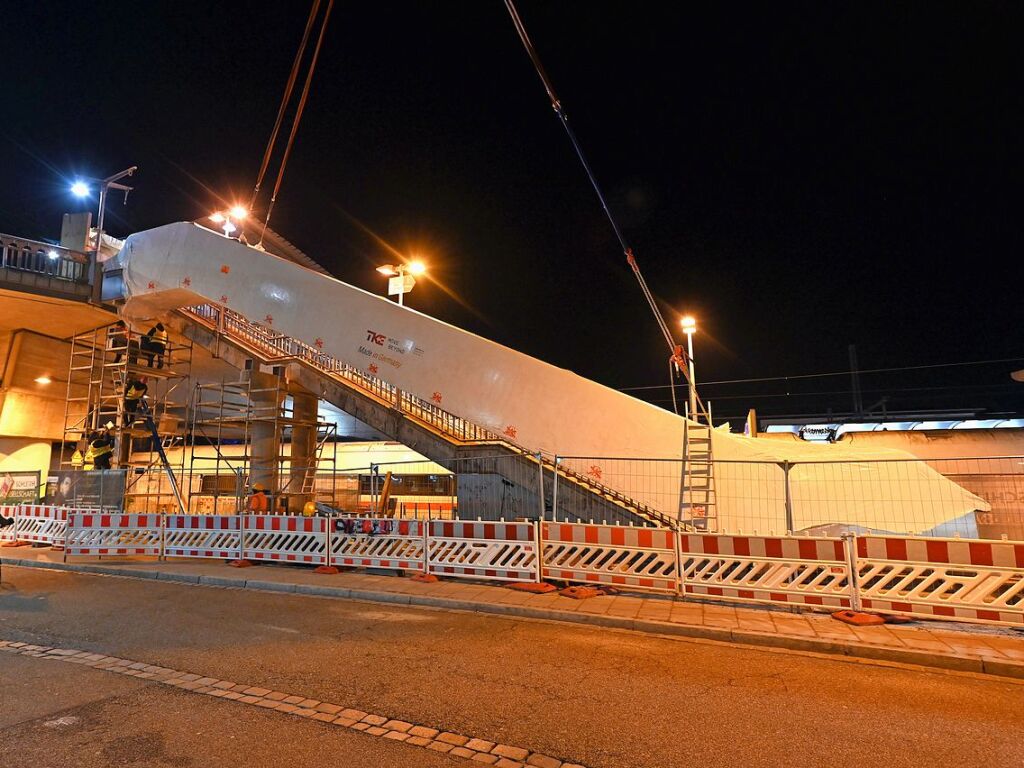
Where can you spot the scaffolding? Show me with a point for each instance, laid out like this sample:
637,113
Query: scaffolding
228,417
102,364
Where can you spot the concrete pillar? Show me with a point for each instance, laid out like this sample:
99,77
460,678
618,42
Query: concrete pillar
265,447
304,404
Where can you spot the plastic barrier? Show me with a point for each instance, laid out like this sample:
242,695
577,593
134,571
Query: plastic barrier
286,539
40,524
216,536
942,578
95,533
498,551
10,533
642,558
372,542
810,571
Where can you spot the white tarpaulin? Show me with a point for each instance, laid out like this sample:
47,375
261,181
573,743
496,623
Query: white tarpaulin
535,404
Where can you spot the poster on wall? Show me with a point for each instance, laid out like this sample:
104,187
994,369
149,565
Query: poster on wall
87,489
19,487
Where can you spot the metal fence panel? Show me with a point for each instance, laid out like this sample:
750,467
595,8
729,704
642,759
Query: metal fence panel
641,558
213,536
495,551
367,542
91,533
40,524
942,578
809,571
285,539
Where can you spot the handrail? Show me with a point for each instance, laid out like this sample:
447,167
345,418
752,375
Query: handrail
35,256
284,347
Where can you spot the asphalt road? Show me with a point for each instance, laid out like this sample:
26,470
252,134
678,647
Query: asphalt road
594,696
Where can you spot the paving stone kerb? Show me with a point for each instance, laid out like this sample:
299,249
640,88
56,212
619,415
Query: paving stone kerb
716,622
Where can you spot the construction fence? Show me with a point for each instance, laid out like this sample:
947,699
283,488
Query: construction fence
913,576
971,498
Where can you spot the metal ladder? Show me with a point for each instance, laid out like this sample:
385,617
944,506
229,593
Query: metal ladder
697,495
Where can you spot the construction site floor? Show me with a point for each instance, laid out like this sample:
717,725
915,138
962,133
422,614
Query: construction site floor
947,645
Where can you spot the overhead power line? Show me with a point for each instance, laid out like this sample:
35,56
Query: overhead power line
796,377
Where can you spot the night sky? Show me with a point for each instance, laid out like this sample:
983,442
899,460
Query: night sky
800,176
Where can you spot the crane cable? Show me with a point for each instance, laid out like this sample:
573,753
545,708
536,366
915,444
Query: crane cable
677,356
297,119
289,87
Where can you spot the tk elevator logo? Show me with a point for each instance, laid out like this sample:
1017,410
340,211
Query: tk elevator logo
376,338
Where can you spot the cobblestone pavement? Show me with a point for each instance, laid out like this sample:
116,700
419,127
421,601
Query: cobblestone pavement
560,692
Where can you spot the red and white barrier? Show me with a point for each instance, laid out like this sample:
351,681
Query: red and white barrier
10,533
642,558
804,570
942,578
213,536
94,533
40,524
497,551
372,542
280,538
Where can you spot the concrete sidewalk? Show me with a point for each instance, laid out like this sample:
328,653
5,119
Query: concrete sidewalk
961,647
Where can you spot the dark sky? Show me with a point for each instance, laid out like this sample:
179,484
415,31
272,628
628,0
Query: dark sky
801,176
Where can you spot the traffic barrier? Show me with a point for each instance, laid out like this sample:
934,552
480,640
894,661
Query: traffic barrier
641,558
10,533
94,533
803,570
283,538
978,581
373,542
496,551
214,536
40,524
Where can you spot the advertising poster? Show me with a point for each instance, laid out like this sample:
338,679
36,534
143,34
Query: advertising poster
19,487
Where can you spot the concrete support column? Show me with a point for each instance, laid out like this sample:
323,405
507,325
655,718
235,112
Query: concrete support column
265,445
303,459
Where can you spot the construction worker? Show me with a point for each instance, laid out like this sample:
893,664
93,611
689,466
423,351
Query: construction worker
119,339
102,447
258,503
132,397
155,344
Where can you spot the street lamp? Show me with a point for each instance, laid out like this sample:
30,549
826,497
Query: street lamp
230,218
689,323
81,189
401,277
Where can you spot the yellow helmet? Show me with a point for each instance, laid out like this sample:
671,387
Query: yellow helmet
309,509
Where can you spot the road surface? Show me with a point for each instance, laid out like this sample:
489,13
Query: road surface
591,696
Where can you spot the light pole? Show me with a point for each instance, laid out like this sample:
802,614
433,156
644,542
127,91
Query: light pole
230,218
689,323
401,278
81,189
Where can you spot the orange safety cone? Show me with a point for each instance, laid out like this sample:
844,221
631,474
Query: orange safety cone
858,618
536,587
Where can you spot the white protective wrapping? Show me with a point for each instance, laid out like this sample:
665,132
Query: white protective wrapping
535,404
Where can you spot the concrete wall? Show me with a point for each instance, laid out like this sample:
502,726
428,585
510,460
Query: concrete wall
27,408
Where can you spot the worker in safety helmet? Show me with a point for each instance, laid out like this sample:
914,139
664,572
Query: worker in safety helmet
155,345
132,397
102,446
258,502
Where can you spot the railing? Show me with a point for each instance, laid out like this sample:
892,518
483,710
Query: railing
35,257
279,347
